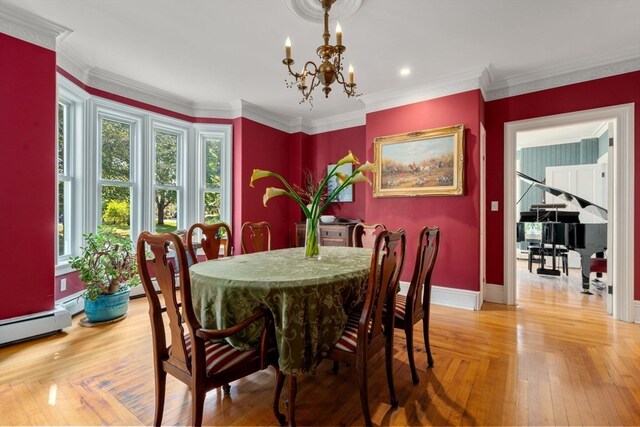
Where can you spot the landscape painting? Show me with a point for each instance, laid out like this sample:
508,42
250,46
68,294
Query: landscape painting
422,163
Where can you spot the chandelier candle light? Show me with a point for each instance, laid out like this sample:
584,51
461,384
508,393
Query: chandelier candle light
329,71
313,210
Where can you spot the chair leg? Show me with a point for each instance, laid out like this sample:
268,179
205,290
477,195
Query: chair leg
161,383
408,332
280,377
197,405
336,366
364,397
530,260
388,356
427,345
226,389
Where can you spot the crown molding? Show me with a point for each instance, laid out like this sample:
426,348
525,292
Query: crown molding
26,26
337,122
605,65
453,84
118,85
260,115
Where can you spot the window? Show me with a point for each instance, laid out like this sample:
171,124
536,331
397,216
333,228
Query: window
115,183
131,170
64,180
168,192
215,161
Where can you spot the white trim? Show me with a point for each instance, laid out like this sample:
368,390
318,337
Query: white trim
74,303
595,67
450,85
636,310
34,325
450,297
456,298
258,114
494,293
31,28
337,122
622,215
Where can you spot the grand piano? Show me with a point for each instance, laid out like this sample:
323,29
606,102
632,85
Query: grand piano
564,227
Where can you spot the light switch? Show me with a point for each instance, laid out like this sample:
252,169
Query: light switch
494,205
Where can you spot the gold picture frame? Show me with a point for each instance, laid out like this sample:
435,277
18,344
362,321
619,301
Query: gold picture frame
421,163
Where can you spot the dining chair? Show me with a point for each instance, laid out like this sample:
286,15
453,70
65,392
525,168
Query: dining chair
368,330
198,357
364,235
255,237
212,239
415,306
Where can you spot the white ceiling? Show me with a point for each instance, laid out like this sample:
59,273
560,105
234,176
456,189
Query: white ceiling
214,53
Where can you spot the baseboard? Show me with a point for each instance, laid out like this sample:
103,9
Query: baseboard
494,293
636,311
74,304
456,298
34,325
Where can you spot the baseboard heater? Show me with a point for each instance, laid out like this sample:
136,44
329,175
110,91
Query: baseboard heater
34,325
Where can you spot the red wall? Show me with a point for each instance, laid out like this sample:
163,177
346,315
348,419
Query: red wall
257,146
329,147
457,216
27,176
599,93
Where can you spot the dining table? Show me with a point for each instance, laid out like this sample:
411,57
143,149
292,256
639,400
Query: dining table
308,298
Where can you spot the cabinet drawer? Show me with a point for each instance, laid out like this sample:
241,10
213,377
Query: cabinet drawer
328,241
335,232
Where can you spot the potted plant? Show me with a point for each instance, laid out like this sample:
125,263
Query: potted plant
108,268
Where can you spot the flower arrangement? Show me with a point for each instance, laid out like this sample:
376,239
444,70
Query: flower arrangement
317,204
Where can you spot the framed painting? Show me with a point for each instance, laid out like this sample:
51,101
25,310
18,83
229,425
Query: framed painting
422,163
346,195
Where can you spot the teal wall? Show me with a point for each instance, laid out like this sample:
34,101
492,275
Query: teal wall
534,160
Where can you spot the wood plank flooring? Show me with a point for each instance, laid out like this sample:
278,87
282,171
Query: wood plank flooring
555,359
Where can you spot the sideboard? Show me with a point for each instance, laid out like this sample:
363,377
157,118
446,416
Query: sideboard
333,234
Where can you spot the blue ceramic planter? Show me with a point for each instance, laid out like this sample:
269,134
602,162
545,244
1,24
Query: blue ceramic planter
107,307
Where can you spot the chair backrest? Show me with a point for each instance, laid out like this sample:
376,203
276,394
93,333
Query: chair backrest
387,261
211,240
364,235
427,253
255,237
179,311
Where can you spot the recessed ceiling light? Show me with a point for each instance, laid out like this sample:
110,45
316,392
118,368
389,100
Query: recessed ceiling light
405,71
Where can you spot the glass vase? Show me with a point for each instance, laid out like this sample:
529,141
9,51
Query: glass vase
312,239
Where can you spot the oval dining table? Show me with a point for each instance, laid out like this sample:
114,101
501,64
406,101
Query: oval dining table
309,300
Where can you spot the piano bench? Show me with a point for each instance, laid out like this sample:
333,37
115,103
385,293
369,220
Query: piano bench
535,255
598,265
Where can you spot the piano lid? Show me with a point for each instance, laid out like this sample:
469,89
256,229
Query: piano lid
571,198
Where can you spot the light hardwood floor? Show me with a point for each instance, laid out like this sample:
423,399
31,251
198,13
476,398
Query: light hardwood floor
555,359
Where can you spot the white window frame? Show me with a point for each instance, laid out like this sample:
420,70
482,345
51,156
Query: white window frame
86,165
225,134
135,203
182,134
75,101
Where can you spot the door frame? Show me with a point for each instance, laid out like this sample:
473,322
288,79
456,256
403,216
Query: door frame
621,202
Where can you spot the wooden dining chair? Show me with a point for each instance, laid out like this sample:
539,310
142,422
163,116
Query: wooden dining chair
364,235
415,306
368,330
212,239
198,357
255,237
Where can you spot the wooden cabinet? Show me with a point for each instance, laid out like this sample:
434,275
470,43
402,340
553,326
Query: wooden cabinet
337,234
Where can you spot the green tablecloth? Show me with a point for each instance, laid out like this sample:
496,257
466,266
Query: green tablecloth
308,298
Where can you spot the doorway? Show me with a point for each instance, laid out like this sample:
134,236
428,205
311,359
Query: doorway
620,222
572,158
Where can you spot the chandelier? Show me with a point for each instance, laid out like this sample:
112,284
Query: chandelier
328,72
